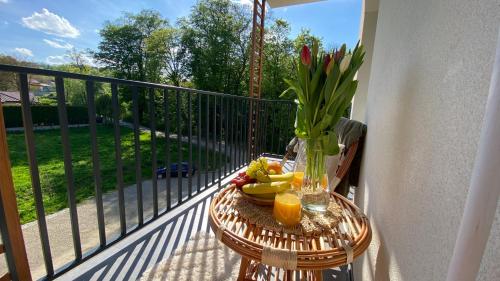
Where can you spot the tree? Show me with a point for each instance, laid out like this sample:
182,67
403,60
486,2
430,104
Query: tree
124,50
103,105
278,59
123,47
120,51
75,90
8,80
166,56
77,58
306,38
216,37
176,62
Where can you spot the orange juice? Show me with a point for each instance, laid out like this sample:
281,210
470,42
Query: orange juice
298,179
324,182
287,208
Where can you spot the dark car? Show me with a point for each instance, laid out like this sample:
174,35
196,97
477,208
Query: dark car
184,167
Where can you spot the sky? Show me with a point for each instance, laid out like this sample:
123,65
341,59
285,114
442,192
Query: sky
44,30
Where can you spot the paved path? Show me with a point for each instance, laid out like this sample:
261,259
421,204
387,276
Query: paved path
184,139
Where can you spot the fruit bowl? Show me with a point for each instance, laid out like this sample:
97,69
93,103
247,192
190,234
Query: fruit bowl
256,200
260,182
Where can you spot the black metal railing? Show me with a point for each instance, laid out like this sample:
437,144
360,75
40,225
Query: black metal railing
213,126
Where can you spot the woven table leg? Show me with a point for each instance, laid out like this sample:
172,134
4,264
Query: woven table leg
243,269
253,270
318,274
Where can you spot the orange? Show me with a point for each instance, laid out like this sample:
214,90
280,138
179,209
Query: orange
276,166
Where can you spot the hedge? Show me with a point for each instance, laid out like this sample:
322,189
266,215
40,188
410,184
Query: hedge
44,115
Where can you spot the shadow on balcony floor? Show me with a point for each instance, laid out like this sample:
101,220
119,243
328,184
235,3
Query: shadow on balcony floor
131,257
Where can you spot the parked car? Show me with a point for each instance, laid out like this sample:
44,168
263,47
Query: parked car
184,166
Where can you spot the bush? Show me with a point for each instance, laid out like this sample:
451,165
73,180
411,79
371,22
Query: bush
44,115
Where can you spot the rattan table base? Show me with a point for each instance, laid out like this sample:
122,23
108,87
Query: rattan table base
305,256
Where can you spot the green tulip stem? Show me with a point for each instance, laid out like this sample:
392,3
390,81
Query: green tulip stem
315,163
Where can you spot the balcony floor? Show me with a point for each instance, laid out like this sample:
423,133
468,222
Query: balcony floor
130,257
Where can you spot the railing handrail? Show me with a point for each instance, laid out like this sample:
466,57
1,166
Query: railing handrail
86,77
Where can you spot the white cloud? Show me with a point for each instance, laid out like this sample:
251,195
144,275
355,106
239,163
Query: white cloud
56,60
51,23
61,45
89,60
4,1
24,52
64,59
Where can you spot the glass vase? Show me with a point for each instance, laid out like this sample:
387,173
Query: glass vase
314,189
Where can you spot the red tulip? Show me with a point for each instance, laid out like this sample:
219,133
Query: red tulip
327,62
337,56
305,56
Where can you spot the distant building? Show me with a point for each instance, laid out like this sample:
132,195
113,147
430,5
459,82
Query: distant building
43,89
34,82
14,97
39,88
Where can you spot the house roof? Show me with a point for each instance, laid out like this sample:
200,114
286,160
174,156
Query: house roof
13,97
34,82
284,3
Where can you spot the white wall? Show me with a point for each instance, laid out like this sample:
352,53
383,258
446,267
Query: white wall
429,80
368,28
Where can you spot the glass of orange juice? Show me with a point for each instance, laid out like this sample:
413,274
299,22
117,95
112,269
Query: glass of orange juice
287,208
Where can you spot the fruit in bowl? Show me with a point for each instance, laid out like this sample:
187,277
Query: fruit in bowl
274,168
264,179
241,179
265,188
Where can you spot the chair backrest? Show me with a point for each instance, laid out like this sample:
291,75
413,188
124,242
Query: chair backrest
351,134
344,164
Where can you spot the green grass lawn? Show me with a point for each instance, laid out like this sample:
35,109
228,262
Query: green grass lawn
51,165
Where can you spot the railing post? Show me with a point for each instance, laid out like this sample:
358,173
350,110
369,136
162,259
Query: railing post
68,166
12,235
29,138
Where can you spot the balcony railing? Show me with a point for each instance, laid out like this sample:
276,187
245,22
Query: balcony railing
222,133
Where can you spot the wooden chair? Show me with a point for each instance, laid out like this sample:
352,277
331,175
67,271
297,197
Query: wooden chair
345,162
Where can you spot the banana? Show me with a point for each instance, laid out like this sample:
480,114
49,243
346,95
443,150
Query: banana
283,177
274,178
266,187
262,178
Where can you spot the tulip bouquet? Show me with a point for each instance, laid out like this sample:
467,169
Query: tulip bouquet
324,89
